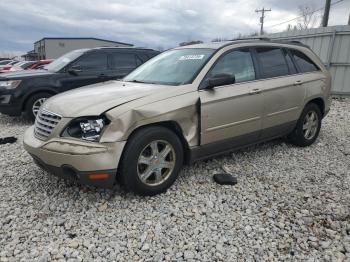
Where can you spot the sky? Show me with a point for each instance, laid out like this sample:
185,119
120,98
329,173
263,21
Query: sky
148,23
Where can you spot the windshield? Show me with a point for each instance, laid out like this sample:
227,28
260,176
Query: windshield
5,62
22,64
64,60
174,67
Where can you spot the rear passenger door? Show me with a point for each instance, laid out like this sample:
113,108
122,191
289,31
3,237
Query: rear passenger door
282,90
122,63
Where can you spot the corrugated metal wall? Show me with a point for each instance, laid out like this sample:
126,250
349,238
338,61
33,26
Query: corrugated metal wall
332,45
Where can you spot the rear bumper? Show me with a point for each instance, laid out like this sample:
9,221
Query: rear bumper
86,162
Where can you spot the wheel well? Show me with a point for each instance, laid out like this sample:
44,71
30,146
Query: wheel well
176,128
34,93
319,102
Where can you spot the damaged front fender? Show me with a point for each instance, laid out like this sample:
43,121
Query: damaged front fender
182,109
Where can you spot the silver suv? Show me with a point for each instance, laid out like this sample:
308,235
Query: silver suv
185,104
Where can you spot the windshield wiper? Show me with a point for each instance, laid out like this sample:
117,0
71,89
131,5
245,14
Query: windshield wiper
141,82
136,81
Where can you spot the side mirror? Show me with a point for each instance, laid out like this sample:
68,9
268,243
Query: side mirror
75,69
219,80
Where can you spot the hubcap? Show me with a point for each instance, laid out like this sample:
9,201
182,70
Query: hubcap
156,162
37,104
310,125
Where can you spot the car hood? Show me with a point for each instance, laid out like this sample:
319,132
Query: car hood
98,98
18,75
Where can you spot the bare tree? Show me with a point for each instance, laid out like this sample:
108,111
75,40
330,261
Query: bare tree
242,36
308,17
219,39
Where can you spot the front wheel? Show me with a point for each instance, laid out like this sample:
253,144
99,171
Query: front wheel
34,103
308,126
151,161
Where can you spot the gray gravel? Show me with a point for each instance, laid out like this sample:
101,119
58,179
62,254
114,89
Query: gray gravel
289,203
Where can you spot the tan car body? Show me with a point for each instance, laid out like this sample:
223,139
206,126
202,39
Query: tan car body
204,119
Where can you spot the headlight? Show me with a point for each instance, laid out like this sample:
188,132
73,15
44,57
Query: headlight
86,128
10,84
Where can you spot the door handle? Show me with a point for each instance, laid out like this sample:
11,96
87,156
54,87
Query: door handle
102,76
298,83
255,91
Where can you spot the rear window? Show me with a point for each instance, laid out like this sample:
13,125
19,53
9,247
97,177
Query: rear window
123,60
272,62
304,63
93,62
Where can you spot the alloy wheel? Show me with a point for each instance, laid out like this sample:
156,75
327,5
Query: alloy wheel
310,125
156,162
37,104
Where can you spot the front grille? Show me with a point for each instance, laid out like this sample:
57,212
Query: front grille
45,122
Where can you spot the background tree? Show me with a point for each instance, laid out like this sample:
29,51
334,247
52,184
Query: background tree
308,16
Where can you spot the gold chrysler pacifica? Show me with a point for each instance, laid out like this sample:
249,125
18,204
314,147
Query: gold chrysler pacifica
185,104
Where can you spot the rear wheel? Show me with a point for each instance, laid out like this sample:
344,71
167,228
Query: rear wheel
151,161
308,126
34,103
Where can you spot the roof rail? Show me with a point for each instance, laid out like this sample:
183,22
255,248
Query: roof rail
252,38
286,41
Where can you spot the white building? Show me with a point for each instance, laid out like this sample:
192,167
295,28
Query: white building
53,47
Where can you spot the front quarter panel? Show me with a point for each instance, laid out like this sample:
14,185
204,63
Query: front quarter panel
181,109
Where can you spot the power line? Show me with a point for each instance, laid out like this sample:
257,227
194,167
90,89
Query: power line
269,26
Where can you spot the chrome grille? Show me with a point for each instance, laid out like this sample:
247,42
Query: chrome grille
45,122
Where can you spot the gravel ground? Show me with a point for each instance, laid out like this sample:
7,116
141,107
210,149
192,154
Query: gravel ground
289,203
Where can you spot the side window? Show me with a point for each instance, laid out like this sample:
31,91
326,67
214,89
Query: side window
272,62
92,62
123,60
138,60
304,63
144,57
238,63
290,63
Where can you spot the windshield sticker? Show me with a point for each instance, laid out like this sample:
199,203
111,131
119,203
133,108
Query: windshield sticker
192,57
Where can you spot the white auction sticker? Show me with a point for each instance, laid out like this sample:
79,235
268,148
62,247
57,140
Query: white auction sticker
191,57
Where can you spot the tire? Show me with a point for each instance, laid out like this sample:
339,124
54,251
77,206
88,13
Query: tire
33,101
146,168
300,136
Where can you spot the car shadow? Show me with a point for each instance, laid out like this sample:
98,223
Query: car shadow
94,195
15,120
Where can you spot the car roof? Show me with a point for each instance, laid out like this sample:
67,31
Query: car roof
124,48
219,45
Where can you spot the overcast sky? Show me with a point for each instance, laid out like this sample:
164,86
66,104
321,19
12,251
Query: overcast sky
148,23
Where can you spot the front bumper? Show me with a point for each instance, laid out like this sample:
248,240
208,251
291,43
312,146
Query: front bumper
88,163
7,107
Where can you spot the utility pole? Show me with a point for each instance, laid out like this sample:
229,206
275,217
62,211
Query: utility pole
262,11
326,13
349,20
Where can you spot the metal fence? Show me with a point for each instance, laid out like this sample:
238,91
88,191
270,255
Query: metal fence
332,45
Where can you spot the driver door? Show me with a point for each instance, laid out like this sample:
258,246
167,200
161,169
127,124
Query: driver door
232,114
